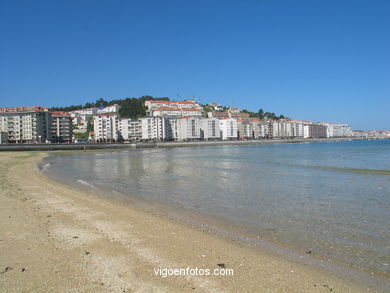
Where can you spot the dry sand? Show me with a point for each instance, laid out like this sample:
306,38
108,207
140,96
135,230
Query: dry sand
55,238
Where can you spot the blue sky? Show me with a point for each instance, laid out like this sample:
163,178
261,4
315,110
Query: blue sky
315,60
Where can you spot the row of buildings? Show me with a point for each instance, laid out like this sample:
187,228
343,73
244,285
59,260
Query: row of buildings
110,127
34,125
166,120
185,121
372,133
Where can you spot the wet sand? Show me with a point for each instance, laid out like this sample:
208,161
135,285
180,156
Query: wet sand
55,238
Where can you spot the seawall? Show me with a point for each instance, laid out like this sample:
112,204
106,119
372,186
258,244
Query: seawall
102,146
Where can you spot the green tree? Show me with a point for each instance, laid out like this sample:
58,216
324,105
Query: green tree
90,124
132,108
260,113
89,105
101,103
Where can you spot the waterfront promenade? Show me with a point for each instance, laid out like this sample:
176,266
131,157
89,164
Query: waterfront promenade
100,146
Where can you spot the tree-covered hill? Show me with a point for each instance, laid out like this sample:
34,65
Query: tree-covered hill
264,115
129,107
135,107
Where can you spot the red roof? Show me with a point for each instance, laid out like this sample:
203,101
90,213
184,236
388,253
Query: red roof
60,114
185,117
22,109
174,109
107,114
172,102
243,115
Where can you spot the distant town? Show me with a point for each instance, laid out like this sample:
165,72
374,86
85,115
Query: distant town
163,120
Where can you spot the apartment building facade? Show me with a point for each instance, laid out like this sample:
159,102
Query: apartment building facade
209,129
61,126
107,127
175,113
228,127
187,129
280,129
131,129
317,130
189,104
109,109
236,115
154,128
338,130
26,124
244,130
297,128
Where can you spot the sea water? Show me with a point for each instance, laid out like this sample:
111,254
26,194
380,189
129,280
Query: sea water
328,199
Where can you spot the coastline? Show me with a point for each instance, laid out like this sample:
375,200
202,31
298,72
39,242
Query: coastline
65,238
167,144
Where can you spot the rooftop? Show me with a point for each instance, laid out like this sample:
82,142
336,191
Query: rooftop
171,102
175,109
22,109
60,114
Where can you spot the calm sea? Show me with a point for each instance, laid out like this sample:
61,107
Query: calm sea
329,199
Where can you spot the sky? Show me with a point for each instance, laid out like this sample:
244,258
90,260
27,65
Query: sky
314,60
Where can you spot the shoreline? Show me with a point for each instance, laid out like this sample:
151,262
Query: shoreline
227,229
112,231
167,144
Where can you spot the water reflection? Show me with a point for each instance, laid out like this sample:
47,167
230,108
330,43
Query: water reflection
265,189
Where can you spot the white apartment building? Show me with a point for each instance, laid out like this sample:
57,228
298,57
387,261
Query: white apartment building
189,104
263,129
109,109
175,113
209,129
338,130
281,129
228,127
188,129
154,128
234,110
107,127
297,128
257,128
218,108
172,132
131,129
306,130
82,114
26,124
288,129
342,130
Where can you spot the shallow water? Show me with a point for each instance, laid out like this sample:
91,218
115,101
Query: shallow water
331,199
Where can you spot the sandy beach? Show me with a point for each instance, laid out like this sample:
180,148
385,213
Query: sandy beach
55,238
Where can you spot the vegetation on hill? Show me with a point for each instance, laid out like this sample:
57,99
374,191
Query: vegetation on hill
135,108
132,108
263,115
129,107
